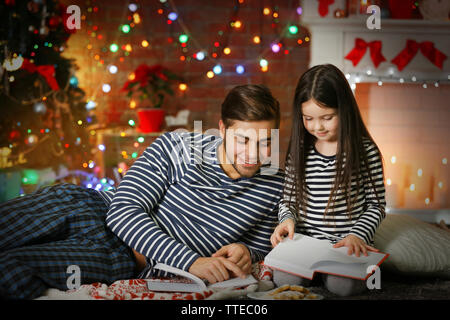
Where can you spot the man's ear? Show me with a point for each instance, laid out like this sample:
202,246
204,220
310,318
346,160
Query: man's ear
222,129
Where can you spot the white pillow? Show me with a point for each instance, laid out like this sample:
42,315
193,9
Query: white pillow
415,247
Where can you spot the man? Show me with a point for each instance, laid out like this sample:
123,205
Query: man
198,202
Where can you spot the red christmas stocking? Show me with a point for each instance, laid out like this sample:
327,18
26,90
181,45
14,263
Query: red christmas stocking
323,7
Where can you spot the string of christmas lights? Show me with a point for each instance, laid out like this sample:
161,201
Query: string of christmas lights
191,47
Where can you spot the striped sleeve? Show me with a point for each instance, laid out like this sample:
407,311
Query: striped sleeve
284,213
140,191
257,239
367,224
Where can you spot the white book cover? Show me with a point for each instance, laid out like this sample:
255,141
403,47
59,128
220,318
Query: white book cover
187,282
304,256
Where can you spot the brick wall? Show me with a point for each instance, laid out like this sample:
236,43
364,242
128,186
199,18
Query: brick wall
204,19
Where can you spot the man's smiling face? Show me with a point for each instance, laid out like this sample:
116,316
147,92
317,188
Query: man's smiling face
246,146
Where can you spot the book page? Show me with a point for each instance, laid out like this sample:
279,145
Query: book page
296,255
182,273
340,255
230,283
234,282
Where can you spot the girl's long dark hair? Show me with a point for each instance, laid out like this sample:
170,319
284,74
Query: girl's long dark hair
328,87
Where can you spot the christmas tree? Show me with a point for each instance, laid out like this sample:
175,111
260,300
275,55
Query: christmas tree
44,121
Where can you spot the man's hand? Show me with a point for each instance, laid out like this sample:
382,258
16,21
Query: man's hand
214,269
238,254
354,245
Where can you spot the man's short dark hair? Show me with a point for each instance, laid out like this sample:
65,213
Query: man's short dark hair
250,103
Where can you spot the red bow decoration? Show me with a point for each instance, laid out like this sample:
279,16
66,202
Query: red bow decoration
47,71
428,50
360,49
323,7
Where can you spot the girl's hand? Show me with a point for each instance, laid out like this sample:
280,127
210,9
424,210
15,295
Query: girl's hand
355,245
286,227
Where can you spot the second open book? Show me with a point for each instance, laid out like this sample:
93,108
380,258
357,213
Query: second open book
304,256
187,282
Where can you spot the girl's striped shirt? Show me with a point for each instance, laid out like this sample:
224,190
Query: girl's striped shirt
366,214
176,204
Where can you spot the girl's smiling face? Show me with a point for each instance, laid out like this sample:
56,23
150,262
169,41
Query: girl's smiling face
321,122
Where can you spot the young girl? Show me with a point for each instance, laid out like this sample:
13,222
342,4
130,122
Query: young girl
334,187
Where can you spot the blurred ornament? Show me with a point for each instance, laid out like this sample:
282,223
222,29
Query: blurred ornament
73,81
276,47
90,105
123,167
54,22
43,31
132,7
4,157
106,88
200,55
263,63
435,9
33,7
10,2
31,140
183,38
13,64
40,108
125,28
113,47
217,69
293,29
30,176
240,69
14,135
112,69
339,13
172,16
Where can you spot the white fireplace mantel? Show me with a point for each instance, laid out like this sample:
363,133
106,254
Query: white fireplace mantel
333,38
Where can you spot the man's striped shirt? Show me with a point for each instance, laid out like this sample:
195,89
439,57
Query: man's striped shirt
176,204
366,214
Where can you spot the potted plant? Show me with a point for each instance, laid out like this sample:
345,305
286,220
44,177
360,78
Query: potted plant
151,84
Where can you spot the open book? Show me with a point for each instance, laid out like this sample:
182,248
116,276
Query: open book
187,282
304,256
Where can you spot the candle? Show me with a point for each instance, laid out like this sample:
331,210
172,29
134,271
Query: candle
440,195
411,199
